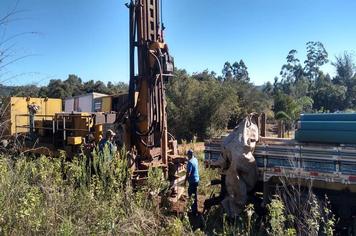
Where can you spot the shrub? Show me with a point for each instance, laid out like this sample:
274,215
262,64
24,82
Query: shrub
51,196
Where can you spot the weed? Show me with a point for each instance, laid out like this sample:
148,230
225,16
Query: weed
52,196
276,217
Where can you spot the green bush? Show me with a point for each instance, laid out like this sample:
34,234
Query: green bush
51,196
42,195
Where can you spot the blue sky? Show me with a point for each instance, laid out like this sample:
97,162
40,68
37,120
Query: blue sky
90,37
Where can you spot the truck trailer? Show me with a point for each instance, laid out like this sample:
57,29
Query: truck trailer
328,167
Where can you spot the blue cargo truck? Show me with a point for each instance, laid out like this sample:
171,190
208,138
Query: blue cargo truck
323,155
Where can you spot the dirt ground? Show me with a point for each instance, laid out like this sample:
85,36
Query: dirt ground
181,205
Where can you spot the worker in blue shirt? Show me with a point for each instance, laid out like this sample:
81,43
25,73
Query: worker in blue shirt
193,179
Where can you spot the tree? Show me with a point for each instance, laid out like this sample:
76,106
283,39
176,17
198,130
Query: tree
25,91
239,71
330,98
88,86
73,85
100,87
43,92
205,75
236,71
268,88
292,108
345,69
200,105
227,71
292,74
301,88
118,88
346,77
298,81
302,105
282,103
251,99
57,89
317,56
292,71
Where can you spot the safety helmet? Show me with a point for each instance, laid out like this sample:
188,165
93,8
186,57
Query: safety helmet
110,133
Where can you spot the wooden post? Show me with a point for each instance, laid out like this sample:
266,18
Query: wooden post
263,125
283,129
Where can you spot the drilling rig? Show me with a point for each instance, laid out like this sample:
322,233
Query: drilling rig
145,126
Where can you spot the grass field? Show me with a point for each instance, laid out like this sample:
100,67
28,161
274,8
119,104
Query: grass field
50,196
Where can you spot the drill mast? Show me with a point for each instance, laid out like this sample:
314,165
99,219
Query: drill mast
150,66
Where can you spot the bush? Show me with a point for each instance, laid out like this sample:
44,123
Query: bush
51,196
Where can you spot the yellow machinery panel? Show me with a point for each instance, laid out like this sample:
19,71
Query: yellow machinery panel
74,140
82,123
106,104
77,124
98,132
18,108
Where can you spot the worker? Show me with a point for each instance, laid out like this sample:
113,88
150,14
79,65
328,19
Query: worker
89,142
108,144
193,179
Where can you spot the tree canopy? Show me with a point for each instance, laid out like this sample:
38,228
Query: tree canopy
205,104
310,84
58,88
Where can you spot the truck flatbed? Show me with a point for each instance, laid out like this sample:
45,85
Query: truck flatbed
326,166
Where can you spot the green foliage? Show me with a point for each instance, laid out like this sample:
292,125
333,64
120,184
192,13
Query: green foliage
206,175
311,217
198,107
247,224
317,56
204,105
25,91
346,76
58,88
307,89
175,228
51,196
276,217
300,211
281,115
156,182
288,109
236,71
328,218
283,103
329,96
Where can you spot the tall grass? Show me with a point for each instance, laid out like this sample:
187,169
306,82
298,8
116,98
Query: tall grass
51,196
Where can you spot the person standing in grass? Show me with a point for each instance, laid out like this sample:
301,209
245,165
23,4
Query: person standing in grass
193,179
108,144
